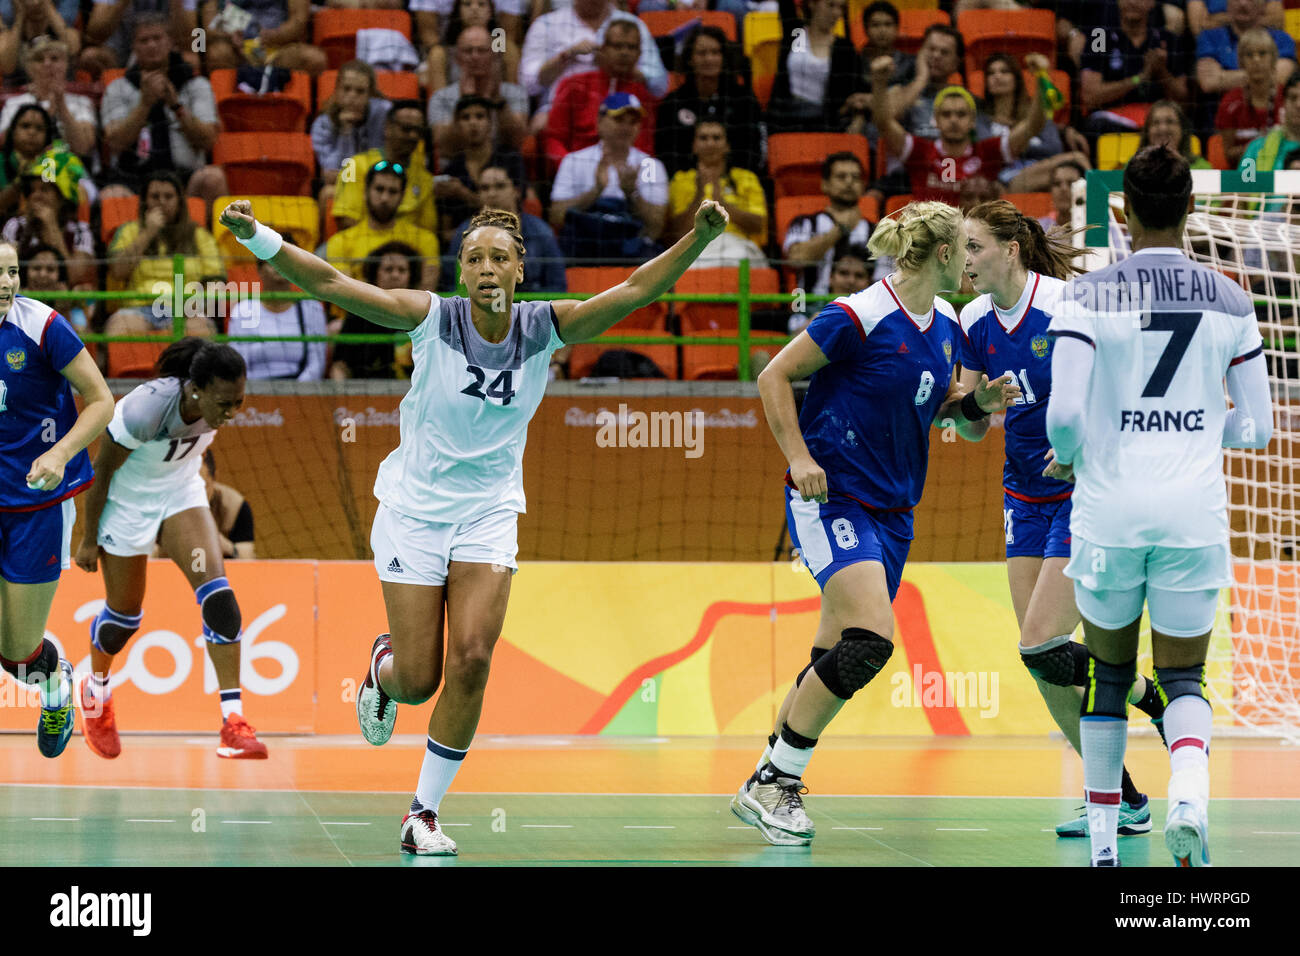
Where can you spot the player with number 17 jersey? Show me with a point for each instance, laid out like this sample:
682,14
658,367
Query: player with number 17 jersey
866,420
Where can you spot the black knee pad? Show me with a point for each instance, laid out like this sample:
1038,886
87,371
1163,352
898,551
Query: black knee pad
221,617
110,630
1059,661
38,668
1174,682
857,657
817,654
1105,692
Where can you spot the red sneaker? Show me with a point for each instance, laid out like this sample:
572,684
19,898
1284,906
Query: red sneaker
99,725
239,740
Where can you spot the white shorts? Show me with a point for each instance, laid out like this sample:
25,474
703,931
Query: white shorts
415,551
129,526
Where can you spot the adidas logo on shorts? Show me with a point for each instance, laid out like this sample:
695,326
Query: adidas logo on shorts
108,539
395,566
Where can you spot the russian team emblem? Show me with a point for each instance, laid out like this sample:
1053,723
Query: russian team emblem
1039,345
947,350
16,359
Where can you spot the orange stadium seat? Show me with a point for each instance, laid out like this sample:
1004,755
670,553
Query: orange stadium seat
589,280
115,210
663,22
895,203
1036,205
795,159
392,85
854,14
717,362
790,208
1016,32
108,76
763,88
1215,153
335,30
912,25
1060,79
286,111
267,163
584,357
718,316
134,359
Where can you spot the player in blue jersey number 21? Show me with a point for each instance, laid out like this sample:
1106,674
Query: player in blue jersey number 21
882,366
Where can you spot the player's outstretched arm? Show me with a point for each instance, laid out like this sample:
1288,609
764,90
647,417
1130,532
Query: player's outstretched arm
968,408
579,321
392,308
796,361
1249,423
84,375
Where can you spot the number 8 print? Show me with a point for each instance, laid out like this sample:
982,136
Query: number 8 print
845,536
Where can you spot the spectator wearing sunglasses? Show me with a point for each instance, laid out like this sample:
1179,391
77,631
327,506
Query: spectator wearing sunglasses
385,186
403,146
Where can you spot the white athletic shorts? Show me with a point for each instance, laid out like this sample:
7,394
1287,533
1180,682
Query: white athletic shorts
1179,585
129,526
414,551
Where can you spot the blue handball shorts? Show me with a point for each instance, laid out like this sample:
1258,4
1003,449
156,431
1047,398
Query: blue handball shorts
842,532
36,546
1036,529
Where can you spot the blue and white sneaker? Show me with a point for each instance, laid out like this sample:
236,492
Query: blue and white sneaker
1134,820
55,726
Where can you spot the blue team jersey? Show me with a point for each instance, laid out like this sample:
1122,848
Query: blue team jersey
867,416
35,343
1016,342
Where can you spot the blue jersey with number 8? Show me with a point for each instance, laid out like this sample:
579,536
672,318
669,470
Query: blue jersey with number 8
868,413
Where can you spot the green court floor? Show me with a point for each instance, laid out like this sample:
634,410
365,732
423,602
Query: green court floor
57,826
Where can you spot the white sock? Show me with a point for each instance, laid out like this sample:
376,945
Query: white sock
1103,740
762,761
231,703
1188,721
436,774
791,760
55,691
98,687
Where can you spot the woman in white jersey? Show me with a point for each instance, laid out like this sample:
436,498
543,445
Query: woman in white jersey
1019,272
444,536
1142,350
147,481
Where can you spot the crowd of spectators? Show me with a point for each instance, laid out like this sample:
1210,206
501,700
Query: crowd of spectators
603,136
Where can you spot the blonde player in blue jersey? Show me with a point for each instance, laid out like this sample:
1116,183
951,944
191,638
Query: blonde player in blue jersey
450,495
1019,273
882,366
148,489
1137,412
43,464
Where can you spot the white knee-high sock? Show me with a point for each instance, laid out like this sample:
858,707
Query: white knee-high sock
1103,740
1188,721
436,774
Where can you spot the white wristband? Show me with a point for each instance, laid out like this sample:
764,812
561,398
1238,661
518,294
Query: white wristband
265,242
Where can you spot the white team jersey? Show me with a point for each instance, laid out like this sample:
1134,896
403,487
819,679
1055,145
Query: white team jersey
1150,469
165,451
465,419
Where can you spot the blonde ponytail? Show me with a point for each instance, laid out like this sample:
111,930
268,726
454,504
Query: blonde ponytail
914,233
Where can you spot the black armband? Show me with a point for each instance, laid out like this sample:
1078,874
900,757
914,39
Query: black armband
971,409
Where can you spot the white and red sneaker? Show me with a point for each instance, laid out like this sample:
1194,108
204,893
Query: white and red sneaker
376,711
239,740
422,836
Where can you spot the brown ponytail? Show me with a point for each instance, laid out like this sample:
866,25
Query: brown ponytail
1048,255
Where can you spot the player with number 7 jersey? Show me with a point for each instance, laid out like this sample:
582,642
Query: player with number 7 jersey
881,363
148,492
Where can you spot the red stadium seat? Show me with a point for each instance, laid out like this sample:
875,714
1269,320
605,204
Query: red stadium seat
335,30
392,85
1215,153
286,111
664,22
134,359
895,203
790,208
719,316
1016,32
1036,205
115,210
763,88
280,164
912,25
591,280
795,159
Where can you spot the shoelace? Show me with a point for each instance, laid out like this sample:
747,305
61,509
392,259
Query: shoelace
791,796
240,728
52,721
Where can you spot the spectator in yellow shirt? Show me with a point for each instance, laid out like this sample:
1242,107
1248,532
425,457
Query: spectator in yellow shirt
739,191
385,187
140,258
404,146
